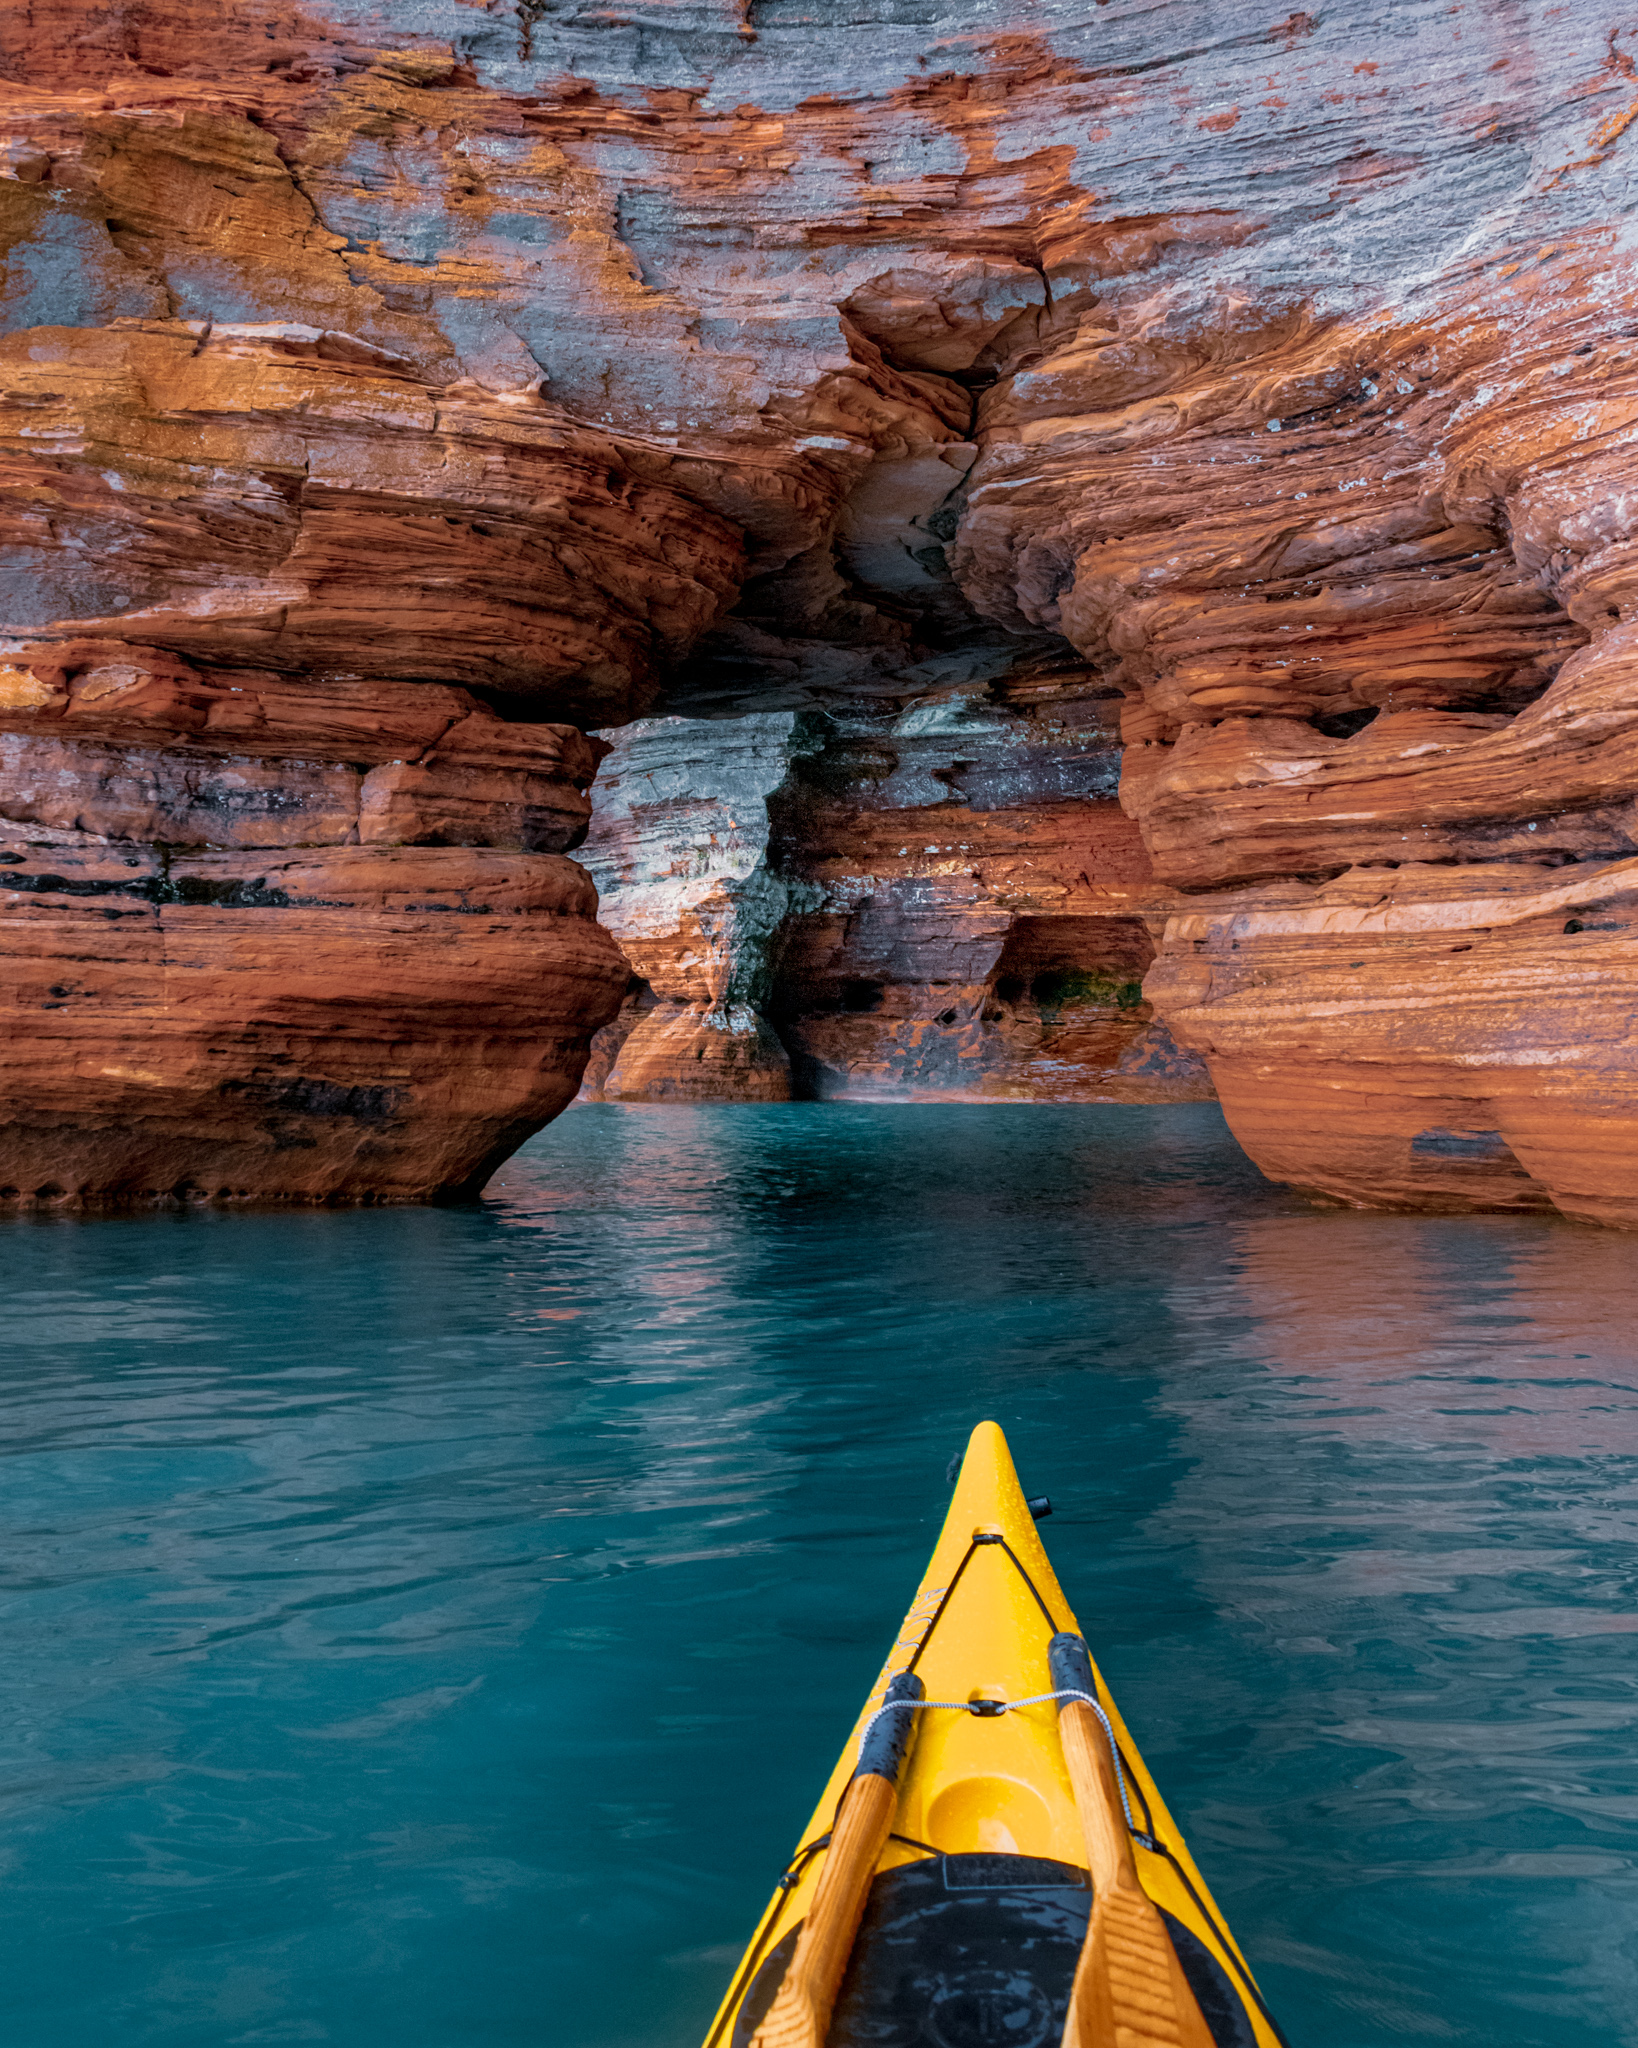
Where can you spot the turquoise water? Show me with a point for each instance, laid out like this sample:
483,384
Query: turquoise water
430,1628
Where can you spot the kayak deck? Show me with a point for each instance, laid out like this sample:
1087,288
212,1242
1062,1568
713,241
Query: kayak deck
980,1899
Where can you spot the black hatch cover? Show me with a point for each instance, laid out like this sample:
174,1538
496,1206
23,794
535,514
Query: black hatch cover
975,1952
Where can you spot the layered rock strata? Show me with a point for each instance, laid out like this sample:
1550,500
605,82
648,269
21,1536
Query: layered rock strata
1425,696
1409,1028
857,907
879,405
349,1023
265,939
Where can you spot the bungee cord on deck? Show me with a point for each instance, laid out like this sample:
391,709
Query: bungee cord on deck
993,1709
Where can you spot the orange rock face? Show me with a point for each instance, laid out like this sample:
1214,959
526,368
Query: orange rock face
1436,1026
1406,1030
346,1023
864,417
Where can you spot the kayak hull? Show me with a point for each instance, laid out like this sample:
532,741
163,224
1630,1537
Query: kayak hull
980,1898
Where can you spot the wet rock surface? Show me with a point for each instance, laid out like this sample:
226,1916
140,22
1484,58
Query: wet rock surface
1061,520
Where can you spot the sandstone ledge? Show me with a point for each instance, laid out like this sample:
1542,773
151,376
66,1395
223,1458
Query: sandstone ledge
337,1025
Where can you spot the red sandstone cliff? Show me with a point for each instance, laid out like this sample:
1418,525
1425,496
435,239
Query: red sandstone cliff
391,399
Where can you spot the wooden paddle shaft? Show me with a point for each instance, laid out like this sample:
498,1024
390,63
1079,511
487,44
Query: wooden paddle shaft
1097,1799
1129,1990
800,2014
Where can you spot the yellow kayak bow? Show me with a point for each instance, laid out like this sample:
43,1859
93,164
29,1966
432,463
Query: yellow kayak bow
991,1861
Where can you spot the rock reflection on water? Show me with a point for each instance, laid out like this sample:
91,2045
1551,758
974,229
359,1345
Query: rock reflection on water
1424,1505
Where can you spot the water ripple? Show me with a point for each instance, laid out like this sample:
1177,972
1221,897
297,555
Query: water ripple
396,1600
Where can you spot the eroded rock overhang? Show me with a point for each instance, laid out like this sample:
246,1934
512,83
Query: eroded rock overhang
891,417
